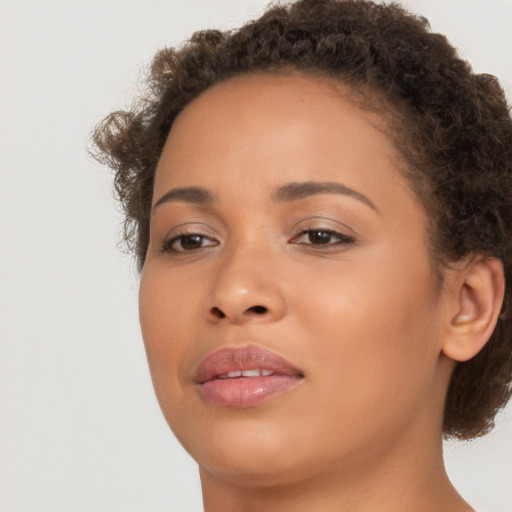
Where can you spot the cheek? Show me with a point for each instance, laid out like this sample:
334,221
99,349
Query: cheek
375,335
167,313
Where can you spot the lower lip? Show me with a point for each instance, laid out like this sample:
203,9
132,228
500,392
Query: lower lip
246,391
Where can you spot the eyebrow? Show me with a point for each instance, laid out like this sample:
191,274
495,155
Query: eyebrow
195,195
285,193
295,191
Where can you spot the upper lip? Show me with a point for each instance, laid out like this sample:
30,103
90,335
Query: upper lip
250,357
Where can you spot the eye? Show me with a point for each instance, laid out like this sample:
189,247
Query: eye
325,237
188,242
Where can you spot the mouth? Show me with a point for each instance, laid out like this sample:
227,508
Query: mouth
244,377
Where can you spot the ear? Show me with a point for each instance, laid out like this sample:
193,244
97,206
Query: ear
478,291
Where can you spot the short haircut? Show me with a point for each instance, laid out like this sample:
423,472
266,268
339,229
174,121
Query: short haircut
451,126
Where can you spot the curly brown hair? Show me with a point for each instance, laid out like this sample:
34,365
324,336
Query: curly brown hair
452,126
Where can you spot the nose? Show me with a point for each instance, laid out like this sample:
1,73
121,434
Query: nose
245,289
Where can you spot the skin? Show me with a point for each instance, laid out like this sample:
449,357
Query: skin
364,316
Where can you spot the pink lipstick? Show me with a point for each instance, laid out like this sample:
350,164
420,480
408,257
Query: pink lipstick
244,377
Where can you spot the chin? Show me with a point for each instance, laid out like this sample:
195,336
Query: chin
244,451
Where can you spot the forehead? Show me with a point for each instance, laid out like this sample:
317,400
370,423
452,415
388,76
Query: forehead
274,129
295,101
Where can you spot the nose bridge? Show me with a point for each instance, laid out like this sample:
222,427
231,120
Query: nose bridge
245,286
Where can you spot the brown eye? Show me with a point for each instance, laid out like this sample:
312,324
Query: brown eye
325,237
188,242
320,237
191,242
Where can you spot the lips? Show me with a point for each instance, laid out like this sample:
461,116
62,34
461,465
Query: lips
244,377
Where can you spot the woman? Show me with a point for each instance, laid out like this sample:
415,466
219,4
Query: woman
320,207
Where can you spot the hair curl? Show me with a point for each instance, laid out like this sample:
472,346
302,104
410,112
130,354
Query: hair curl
454,132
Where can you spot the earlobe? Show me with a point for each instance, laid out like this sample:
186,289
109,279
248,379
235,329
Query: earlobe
479,298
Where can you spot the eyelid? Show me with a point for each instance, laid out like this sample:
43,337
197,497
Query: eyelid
342,239
192,228
343,234
188,229
167,245
324,224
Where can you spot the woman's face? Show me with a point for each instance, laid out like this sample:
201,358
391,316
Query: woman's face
284,239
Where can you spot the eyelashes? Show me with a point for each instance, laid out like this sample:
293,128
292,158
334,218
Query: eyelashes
321,237
318,238
188,242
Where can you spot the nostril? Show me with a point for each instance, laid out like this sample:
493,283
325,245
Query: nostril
259,310
217,312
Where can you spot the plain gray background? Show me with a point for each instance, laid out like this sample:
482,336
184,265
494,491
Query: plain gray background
80,429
